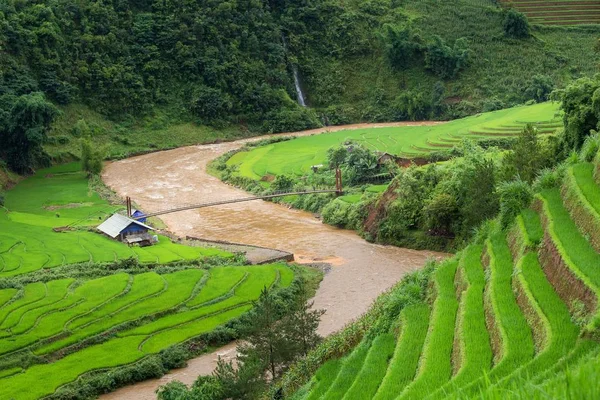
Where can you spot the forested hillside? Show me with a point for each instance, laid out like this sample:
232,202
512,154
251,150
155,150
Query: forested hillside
127,72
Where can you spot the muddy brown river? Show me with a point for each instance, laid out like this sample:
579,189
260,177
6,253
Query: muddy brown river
360,270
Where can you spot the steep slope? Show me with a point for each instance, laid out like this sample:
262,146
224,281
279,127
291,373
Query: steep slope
507,317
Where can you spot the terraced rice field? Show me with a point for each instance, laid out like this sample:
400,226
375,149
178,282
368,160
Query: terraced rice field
505,320
58,197
559,12
131,315
298,155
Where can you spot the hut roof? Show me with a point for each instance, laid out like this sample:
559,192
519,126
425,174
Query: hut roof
116,223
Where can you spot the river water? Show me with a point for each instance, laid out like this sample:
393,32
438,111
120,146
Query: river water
360,270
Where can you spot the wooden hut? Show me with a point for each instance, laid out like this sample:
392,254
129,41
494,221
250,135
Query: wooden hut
127,230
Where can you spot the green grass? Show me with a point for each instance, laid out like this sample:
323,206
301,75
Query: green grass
374,369
221,282
351,366
55,291
474,339
414,321
575,249
516,336
533,227
324,378
435,367
99,305
562,332
61,196
298,155
584,176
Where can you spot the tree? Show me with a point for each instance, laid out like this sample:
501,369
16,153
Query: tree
440,213
336,156
301,322
446,61
23,130
402,45
516,24
580,102
91,160
540,88
526,158
480,200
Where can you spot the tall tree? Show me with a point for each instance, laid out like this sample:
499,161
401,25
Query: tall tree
23,130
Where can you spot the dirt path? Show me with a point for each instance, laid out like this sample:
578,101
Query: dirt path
361,271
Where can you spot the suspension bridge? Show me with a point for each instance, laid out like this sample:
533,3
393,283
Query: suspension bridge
338,191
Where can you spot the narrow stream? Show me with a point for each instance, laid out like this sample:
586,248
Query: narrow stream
360,270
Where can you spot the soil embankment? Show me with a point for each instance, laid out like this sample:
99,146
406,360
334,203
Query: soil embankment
360,270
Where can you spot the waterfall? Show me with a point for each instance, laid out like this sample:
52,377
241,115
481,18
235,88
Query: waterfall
299,94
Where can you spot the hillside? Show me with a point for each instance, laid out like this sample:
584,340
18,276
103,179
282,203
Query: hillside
150,75
514,315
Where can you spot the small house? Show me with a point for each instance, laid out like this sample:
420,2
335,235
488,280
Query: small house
127,230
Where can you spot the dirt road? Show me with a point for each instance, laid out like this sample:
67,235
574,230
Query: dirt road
360,272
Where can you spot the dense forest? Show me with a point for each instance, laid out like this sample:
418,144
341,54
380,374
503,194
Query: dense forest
230,65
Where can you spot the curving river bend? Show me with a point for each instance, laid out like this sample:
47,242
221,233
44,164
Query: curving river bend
360,270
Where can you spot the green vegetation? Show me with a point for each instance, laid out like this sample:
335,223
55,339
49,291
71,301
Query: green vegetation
348,372
298,155
158,75
435,366
61,197
374,368
403,365
148,312
574,248
474,340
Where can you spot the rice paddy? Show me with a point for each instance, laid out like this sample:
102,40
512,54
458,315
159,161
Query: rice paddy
61,197
503,322
131,315
298,155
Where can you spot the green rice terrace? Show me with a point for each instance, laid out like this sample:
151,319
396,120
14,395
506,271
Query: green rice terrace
138,315
298,155
64,315
514,315
556,12
60,197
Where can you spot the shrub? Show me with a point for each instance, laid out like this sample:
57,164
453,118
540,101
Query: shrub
590,148
80,129
283,183
91,159
291,120
516,24
514,197
446,61
540,88
440,213
210,104
402,45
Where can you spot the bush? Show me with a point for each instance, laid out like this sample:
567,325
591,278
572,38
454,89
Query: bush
210,104
80,129
514,197
402,45
446,61
516,24
440,213
540,88
291,120
91,159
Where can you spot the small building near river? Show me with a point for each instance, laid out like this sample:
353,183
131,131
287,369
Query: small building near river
127,230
